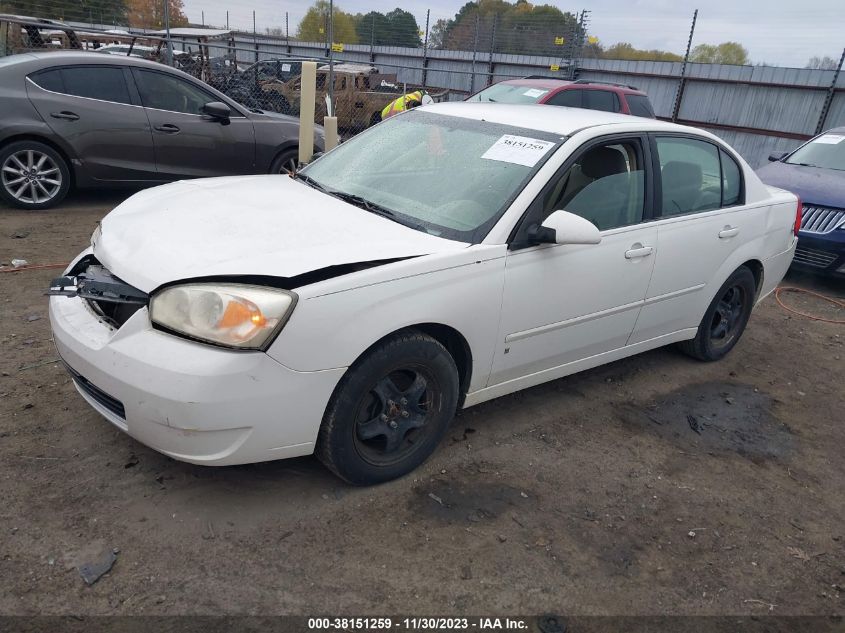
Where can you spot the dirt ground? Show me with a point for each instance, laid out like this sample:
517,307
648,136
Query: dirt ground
654,485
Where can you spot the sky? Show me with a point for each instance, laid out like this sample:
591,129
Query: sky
775,32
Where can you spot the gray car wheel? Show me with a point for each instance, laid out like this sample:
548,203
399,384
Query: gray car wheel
32,175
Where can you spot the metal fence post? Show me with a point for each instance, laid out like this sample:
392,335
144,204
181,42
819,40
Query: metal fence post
330,109
676,108
373,39
227,20
254,35
474,54
425,50
490,64
169,55
287,32
830,92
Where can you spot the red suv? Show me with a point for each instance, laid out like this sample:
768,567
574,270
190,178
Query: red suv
581,93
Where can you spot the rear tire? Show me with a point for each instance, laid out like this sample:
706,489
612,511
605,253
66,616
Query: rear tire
390,410
725,318
32,175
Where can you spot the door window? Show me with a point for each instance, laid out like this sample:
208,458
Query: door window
571,98
164,92
691,175
605,185
604,100
104,83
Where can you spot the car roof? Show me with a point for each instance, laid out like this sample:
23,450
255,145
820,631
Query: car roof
553,119
551,83
537,82
84,57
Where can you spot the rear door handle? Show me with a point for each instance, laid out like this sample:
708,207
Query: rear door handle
642,251
167,128
66,115
728,231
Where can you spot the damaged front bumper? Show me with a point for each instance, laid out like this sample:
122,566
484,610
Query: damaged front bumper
193,402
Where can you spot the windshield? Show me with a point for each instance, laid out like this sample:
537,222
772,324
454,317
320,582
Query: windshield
827,150
445,175
510,93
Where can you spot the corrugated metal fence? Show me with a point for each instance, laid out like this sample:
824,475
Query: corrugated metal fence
758,110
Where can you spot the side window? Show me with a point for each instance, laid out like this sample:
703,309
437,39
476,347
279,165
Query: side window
164,92
691,175
601,100
640,106
340,82
321,81
49,80
97,82
571,98
731,181
605,185
105,83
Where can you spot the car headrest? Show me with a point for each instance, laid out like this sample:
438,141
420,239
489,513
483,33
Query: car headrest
602,162
681,175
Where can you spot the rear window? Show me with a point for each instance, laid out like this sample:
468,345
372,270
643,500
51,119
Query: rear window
510,93
640,106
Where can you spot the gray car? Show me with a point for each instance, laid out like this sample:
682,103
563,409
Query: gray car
73,119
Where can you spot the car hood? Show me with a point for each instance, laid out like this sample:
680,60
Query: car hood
253,225
814,185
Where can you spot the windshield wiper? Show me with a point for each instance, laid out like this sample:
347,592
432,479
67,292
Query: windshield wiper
360,201
308,180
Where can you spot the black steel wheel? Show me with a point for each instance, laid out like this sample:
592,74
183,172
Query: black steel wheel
32,175
390,410
725,319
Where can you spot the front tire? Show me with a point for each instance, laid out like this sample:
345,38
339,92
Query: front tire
725,319
390,410
32,175
286,162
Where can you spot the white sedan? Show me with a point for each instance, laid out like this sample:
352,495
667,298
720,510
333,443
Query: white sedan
453,254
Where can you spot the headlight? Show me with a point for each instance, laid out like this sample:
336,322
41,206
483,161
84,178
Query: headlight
236,315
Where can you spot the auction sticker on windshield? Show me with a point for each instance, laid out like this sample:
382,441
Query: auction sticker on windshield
831,139
519,150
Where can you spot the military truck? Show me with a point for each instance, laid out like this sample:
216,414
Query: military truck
360,94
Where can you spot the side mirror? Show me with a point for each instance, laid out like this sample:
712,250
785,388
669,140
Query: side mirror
563,227
218,111
777,156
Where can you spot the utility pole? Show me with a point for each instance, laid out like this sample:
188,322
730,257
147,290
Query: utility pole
203,18
682,80
169,55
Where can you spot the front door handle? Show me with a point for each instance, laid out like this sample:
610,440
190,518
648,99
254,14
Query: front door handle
639,251
66,115
167,128
728,231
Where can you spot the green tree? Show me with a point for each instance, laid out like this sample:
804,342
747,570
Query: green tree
724,53
314,27
397,28
625,50
520,27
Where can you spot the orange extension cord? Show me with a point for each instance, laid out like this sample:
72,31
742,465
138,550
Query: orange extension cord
836,302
